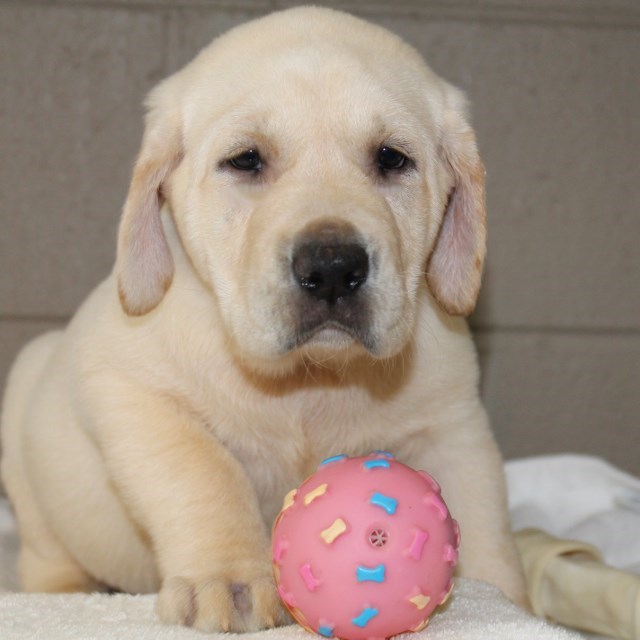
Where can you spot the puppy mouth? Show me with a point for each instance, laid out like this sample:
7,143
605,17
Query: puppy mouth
331,334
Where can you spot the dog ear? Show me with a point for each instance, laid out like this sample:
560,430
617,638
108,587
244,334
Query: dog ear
144,264
455,266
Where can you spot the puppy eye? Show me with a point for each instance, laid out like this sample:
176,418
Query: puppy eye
249,160
390,159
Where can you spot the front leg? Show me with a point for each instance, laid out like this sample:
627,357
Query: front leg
463,457
196,504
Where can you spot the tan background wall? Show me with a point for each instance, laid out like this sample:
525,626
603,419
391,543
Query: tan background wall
555,91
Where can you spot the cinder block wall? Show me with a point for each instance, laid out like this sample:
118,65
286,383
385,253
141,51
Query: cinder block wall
556,101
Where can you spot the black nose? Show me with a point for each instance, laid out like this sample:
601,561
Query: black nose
330,271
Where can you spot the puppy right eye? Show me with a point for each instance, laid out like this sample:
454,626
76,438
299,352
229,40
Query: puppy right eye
249,160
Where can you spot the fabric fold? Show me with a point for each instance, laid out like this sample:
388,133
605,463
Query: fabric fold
569,583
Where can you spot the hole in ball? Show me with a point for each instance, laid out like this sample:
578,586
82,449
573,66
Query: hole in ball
378,538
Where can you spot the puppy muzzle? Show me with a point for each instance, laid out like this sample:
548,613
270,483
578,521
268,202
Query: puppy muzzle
330,267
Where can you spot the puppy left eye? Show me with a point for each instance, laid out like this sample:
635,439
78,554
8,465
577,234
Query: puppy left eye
390,159
249,160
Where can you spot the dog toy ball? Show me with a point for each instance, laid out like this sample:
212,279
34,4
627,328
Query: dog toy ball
364,548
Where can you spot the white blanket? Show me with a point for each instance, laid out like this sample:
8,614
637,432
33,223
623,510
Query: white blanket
476,611
579,535
580,498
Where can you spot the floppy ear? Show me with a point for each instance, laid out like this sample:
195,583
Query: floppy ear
144,264
455,267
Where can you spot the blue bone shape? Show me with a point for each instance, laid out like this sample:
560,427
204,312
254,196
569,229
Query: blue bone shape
385,502
374,574
377,463
363,619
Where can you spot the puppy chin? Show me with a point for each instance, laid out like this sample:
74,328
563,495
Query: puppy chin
331,346
336,348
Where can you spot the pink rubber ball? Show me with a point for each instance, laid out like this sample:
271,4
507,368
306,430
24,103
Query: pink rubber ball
365,548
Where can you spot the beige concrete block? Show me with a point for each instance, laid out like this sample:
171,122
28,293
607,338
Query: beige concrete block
191,29
552,393
554,108
588,13
73,80
556,111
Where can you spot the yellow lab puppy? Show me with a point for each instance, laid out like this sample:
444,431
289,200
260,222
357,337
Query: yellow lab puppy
304,229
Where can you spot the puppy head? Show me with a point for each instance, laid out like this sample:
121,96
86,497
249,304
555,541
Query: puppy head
317,172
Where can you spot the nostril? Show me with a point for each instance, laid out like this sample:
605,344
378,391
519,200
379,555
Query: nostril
355,279
312,282
329,271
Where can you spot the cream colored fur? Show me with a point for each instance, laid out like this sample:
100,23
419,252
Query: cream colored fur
150,444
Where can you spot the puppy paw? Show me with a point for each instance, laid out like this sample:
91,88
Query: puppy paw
214,604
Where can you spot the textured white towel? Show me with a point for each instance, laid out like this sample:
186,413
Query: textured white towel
476,611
